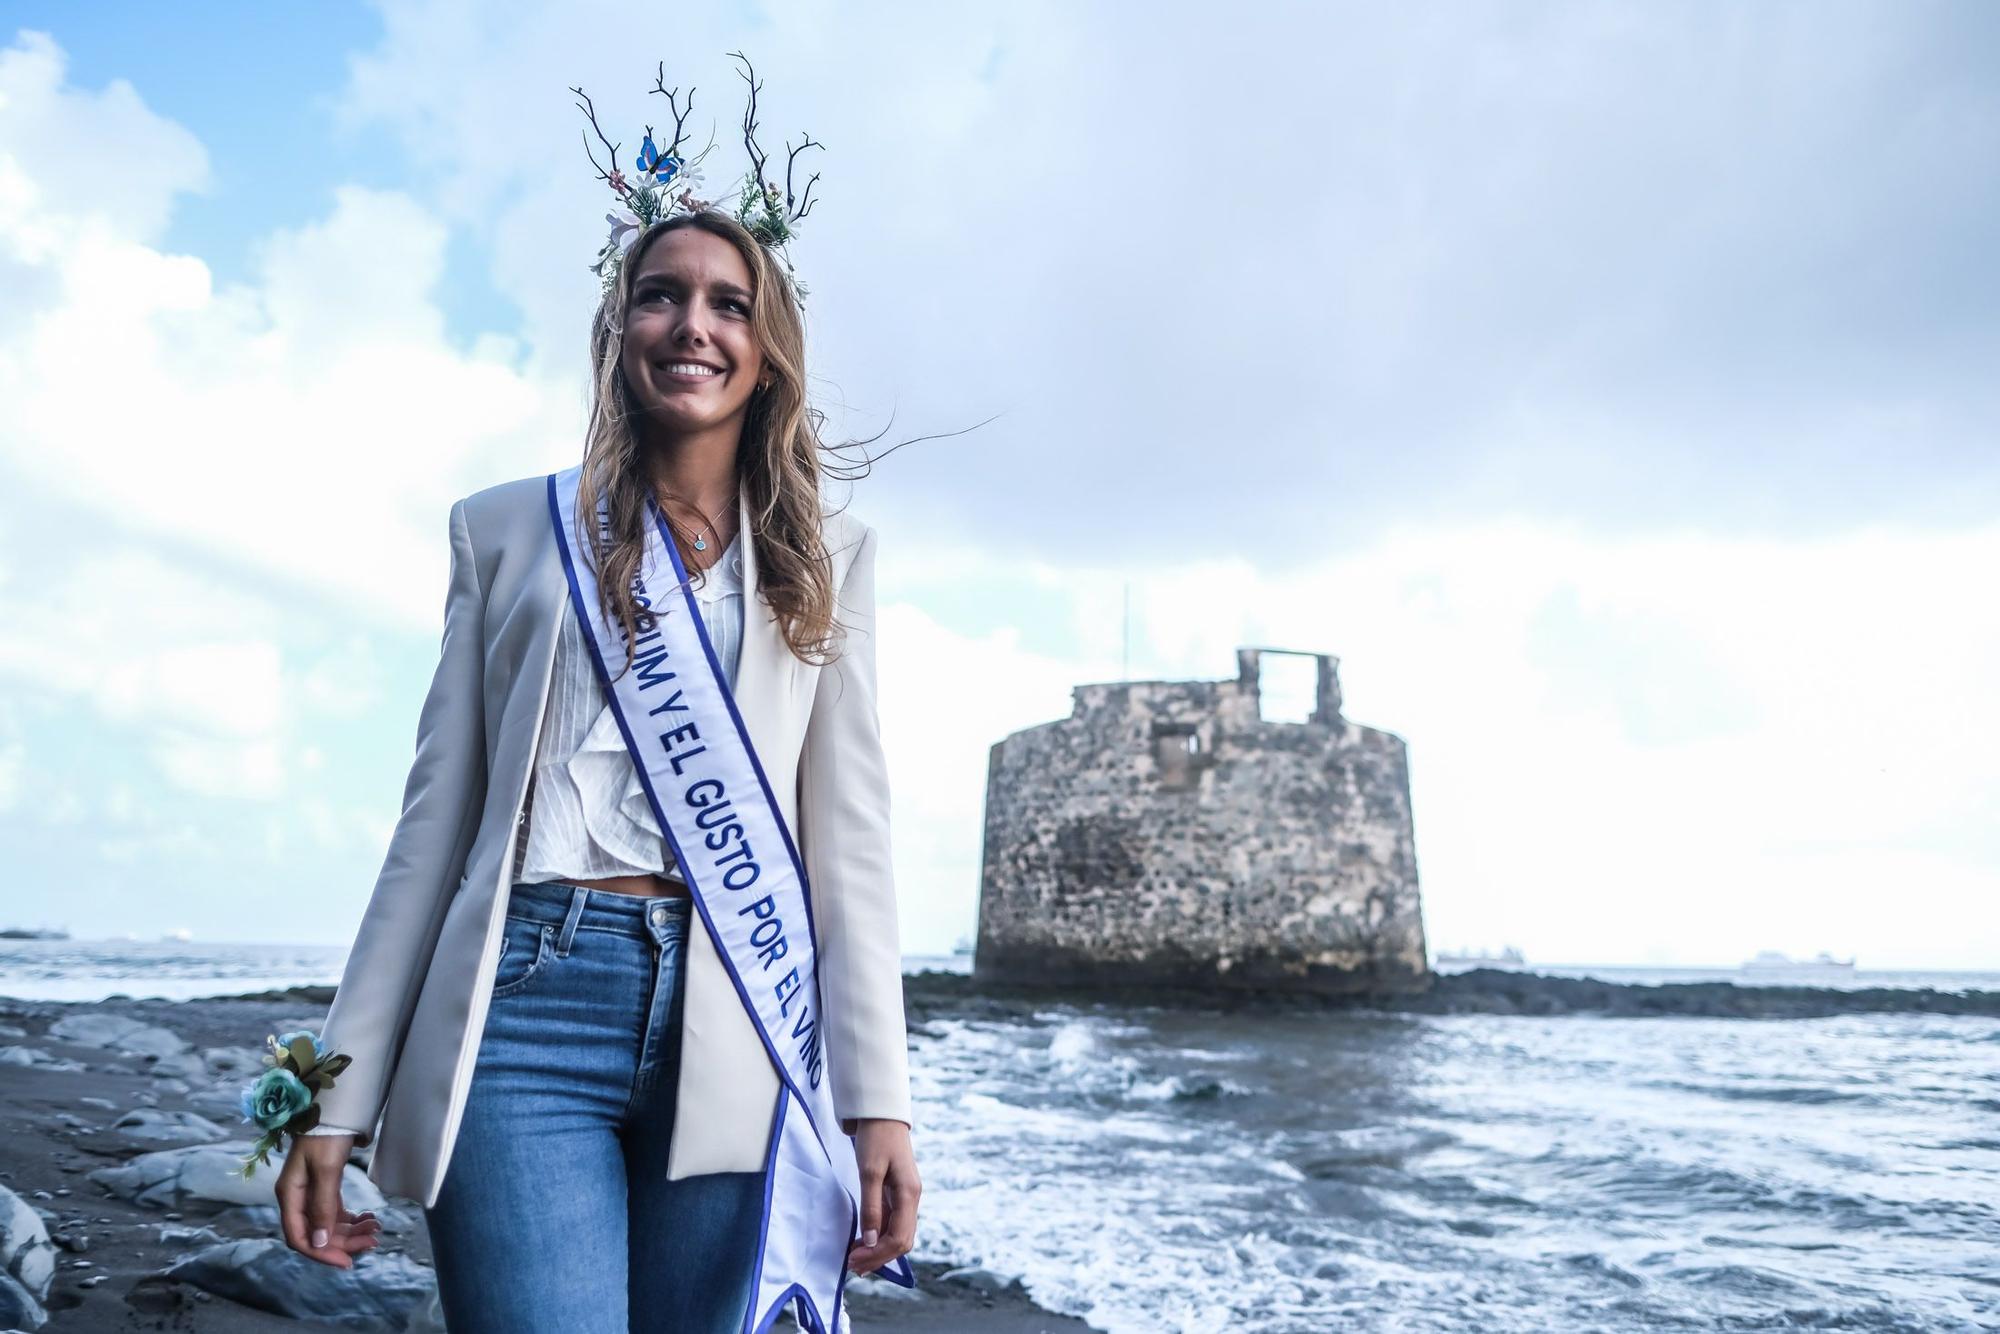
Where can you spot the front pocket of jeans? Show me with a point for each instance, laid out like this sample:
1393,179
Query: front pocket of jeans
525,948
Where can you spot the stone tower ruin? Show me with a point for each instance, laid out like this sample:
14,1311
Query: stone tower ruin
1165,833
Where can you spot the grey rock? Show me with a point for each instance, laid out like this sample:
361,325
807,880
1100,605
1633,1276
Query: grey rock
18,1308
152,1126
860,1285
312,1023
259,1220
431,1319
12,1031
156,1294
27,1256
381,1292
118,1033
180,1065
979,1280
242,1063
40,1059
191,1236
209,1177
395,1221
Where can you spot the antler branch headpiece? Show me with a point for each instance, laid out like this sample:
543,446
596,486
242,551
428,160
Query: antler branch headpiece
665,181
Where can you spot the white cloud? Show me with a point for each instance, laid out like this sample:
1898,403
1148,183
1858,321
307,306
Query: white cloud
1642,749
1624,744
234,460
13,774
121,634
945,698
312,425
78,161
1282,278
1631,740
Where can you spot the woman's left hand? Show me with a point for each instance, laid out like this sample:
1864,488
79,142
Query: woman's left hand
889,1186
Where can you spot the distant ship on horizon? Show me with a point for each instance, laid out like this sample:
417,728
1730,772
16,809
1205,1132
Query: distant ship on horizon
1776,961
33,933
1510,956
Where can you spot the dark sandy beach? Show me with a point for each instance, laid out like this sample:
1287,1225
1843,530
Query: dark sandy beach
111,1252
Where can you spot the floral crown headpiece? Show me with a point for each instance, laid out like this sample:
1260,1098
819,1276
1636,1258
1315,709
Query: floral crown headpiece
665,181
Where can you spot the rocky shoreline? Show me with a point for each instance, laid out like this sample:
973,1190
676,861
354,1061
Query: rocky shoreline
119,1210
119,1134
1496,991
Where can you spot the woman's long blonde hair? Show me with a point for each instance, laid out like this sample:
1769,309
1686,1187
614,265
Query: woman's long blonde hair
778,462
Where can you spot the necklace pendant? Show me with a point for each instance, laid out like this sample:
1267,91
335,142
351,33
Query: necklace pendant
700,545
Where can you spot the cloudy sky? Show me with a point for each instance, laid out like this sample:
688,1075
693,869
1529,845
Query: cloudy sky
1612,387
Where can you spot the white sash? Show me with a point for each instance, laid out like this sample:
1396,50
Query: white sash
710,796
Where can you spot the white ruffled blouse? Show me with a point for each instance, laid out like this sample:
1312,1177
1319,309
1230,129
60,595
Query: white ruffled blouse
586,815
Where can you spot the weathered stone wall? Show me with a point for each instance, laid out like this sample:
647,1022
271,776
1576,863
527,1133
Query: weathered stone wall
1166,834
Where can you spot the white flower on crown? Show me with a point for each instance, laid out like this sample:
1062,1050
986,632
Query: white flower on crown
661,195
664,183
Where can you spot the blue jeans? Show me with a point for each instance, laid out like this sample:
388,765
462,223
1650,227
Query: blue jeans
556,1213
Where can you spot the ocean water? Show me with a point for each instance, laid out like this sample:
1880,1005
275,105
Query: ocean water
1158,1169
90,970
1164,1170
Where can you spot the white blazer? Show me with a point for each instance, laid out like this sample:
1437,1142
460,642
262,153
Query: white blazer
412,1000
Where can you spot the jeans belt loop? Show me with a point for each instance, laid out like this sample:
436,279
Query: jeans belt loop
579,893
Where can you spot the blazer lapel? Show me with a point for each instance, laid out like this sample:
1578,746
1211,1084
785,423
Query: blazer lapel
761,677
765,670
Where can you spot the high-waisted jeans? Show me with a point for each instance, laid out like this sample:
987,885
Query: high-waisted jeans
556,1214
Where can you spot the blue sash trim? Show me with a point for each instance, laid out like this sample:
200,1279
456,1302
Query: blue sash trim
817,1177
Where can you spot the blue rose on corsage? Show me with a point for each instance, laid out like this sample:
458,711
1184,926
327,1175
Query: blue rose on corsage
283,1100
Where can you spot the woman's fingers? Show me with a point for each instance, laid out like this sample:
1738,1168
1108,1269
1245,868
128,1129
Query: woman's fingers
323,1207
357,1232
897,1233
872,1173
309,1207
900,1231
291,1194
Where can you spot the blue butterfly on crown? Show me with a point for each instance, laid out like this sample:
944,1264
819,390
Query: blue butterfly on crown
665,181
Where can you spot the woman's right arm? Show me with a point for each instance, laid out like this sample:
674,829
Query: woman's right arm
442,799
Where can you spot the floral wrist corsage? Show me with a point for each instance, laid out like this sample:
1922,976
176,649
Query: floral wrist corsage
281,1099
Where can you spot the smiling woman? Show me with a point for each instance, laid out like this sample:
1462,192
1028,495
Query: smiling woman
692,279
718,1077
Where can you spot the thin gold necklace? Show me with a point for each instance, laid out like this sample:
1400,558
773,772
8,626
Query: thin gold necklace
701,544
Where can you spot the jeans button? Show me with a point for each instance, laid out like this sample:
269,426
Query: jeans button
659,916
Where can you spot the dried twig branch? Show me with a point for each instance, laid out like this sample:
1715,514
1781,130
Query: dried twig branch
680,115
750,119
804,204
591,111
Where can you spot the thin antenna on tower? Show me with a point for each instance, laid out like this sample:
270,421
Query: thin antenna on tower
1125,651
